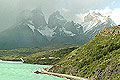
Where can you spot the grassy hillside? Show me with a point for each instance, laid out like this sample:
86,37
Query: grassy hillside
99,59
16,54
48,57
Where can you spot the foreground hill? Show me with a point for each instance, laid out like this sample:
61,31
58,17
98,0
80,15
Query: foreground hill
99,59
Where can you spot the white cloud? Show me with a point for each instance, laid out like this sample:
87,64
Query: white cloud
113,3
79,18
115,15
9,9
65,10
105,12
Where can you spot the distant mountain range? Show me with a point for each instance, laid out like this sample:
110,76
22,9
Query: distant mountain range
32,30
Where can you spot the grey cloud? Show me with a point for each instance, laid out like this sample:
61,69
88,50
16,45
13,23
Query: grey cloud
9,9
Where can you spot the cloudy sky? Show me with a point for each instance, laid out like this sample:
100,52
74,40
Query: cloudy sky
10,9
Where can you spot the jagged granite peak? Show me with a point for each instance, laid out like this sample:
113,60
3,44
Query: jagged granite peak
24,16
88,17
73,27
38,18
95,13
38,11
95,18
58,15
56,19
98,27
34,18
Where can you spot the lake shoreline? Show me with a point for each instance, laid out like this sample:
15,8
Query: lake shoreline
46,71
61,75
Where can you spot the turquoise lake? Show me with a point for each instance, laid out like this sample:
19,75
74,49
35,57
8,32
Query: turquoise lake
19,71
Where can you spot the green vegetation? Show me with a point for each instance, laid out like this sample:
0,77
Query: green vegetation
16,54
48,57
99,59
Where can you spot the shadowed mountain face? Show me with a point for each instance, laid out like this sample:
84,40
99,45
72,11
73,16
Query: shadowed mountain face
32,30
21,36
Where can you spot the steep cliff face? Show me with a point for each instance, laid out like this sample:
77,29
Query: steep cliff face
56,20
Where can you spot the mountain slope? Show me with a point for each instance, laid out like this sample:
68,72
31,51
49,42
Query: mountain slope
21,36
99,59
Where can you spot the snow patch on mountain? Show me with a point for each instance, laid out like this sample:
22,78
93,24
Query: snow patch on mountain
31,27
59,17
89,25
47,31
31,22
68,32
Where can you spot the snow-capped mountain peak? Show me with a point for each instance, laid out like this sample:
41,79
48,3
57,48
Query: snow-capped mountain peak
58,16
46,31
38,11
56,19
95,18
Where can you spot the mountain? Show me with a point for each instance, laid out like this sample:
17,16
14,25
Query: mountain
94,22
65,31
25,32
56,20
32,30
99,59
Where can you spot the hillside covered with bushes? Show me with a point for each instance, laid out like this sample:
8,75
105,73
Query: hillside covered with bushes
16,54
48,57
99,59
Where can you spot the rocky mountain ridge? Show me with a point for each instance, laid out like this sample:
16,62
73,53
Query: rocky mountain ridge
32,30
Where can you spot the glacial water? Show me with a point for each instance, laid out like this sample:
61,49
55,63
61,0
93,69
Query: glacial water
19,71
